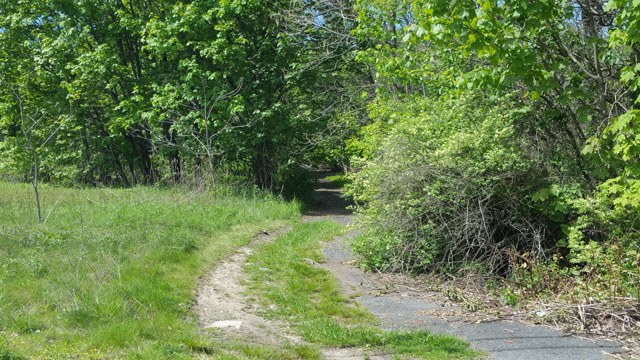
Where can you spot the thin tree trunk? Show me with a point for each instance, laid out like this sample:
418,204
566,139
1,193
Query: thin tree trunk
36,170
197,169
88,172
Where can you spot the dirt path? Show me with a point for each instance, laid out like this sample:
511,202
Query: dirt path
412,308
221,303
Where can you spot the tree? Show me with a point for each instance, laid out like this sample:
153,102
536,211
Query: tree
161,87
33,129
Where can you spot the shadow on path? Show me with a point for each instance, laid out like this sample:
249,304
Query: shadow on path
327,202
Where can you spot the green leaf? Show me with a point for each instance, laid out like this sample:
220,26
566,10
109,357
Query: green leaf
541,195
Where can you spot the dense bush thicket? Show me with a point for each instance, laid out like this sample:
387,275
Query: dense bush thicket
449,185
453,184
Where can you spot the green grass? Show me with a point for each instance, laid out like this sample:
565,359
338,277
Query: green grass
310,299
339,179
112,272
261,351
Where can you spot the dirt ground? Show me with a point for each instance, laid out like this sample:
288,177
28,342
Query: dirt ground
221,303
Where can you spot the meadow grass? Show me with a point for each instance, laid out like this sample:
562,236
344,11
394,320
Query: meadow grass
112,272
309,298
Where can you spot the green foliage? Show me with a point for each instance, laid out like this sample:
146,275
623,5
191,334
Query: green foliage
604,250
252,92
565,176
174,92
448,187
111,273
510,298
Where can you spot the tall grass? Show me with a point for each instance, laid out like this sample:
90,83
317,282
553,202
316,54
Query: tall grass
112,273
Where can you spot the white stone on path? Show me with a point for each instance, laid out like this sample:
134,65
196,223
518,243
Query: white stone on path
225,324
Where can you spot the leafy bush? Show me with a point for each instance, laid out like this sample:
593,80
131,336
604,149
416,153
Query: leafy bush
449,186
604,250
455,183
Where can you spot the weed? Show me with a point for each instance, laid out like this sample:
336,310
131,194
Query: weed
6,354
510,297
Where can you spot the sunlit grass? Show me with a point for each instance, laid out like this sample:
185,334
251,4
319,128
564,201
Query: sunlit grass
112,273
309,298
339,180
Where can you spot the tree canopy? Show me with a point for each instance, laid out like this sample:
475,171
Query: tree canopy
150,91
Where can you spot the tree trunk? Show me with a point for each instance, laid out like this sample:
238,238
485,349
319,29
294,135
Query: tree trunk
197,169
36,171
173,154
264,165
88,172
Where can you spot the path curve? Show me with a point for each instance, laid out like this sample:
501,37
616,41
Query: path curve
415,309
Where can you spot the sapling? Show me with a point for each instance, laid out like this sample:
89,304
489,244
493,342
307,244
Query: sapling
29,123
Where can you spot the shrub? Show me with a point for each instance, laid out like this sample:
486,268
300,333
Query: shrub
604,250
450,186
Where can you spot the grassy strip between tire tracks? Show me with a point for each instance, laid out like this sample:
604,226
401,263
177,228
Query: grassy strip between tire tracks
309,298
